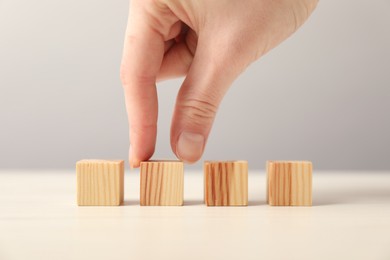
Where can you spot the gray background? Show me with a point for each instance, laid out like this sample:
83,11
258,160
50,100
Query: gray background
323,95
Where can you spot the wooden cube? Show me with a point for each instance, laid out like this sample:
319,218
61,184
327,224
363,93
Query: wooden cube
289,183
162,183
226,183
100,182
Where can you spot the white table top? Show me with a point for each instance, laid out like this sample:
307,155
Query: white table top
39,219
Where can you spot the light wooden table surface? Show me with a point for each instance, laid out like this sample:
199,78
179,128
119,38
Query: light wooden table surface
39,219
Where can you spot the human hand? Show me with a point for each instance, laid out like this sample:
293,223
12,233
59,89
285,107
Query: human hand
209,42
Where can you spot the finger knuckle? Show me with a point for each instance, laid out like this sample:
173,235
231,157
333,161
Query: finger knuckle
130,77
199,111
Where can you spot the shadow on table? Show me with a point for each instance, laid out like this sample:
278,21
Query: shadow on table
326,202
201,202
256,203
193,202
130,203
323,198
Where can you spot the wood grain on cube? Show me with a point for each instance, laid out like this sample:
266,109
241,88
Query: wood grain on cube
162,183
226,183
100,182
289,183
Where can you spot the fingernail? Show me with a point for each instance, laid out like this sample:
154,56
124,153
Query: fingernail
190,146
131,164
134,164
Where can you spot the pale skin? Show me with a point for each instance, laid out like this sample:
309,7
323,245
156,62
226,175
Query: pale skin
210,43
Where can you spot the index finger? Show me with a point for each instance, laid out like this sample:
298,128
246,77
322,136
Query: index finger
142,57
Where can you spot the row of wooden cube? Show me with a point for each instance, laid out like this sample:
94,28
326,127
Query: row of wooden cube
101,183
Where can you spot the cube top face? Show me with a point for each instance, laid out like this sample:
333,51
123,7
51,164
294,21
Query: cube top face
162,161
226,183
236,162
289,163
100,161
231,167
289,183
162,183
100,182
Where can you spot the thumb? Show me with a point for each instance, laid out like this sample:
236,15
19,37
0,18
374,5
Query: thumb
209,77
